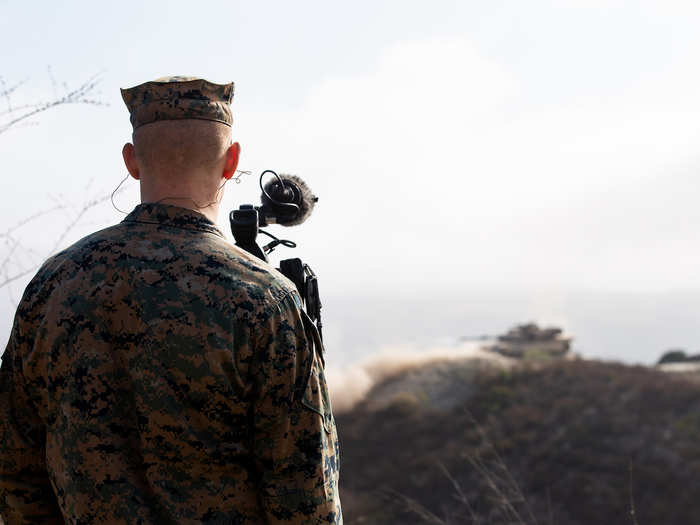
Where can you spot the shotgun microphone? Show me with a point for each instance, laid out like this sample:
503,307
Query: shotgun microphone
286,200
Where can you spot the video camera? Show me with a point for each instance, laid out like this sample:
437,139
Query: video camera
288,201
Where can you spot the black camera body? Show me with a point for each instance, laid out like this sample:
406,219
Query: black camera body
288,201
245,224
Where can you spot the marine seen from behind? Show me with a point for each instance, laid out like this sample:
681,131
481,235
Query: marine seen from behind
157,374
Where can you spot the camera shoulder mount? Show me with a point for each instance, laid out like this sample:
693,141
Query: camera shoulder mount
286,201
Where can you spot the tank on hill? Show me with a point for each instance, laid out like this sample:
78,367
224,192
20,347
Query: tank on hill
677,360
529,341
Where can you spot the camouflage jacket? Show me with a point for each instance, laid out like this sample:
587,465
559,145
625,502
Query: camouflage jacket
155,374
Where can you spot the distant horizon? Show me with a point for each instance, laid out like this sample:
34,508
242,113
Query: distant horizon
631,327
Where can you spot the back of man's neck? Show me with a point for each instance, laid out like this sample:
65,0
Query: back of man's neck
208,209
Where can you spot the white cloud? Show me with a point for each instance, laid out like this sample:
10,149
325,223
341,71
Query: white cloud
434,166
444,164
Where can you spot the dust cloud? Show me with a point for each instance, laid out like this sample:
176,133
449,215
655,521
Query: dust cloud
350,384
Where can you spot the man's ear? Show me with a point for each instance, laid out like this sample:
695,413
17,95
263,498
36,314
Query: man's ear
233,154
129,155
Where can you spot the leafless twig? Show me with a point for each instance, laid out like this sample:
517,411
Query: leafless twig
15,115
633,511
416,508
460,495
500,481
14,244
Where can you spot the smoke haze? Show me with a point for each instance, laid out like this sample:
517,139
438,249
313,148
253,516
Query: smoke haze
350,384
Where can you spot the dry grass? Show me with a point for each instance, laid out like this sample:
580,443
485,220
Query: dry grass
553,444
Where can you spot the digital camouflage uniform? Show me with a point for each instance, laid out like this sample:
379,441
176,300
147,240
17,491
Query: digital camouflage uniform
156,374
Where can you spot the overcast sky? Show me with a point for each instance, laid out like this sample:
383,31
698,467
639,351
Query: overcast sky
532,145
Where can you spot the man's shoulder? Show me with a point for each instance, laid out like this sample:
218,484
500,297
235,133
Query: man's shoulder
212,259
88,246
249,277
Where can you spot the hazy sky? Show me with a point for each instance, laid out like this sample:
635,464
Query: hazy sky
539,144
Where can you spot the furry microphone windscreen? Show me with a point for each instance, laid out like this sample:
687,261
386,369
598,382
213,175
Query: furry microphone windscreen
300,194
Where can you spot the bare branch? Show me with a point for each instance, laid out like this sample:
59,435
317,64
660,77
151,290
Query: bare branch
21,115
633,508
29,219
415,507
498,478
15,244
460,494
5,91
13,278
83,94
8,257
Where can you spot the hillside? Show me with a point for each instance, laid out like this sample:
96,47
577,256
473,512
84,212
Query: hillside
565,443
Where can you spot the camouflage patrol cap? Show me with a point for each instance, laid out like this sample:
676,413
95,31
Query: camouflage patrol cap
178,97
